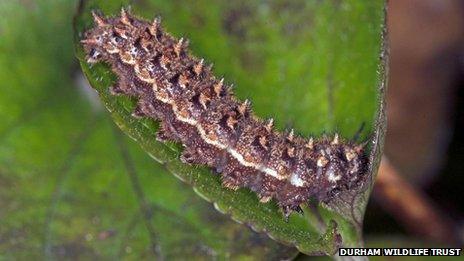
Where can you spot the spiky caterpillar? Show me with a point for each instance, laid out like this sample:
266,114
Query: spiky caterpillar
215,128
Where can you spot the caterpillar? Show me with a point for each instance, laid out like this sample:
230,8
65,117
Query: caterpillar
215,128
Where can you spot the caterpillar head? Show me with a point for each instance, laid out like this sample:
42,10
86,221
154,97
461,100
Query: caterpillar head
119,35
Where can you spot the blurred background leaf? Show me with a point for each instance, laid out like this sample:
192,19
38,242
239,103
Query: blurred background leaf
310,65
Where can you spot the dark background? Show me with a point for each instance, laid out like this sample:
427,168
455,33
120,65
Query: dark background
425,141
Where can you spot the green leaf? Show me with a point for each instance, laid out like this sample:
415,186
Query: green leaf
71,185
312,65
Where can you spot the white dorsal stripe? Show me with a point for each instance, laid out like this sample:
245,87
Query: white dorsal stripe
295,180
234,153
